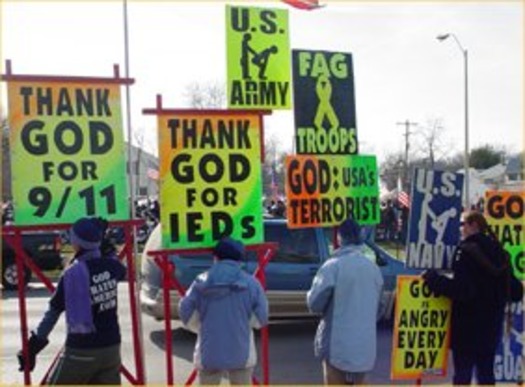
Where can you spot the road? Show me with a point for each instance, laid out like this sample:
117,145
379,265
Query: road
291,349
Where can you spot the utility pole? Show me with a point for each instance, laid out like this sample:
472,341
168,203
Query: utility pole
407,124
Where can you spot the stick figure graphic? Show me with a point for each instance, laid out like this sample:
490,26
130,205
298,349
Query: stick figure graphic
440,222
261,60
246,50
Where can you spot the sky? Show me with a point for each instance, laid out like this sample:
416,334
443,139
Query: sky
402,72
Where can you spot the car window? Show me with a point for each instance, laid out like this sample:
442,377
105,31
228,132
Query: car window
295,245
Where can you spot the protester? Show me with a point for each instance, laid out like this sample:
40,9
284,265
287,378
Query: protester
222,306
346,292
87,292
480,287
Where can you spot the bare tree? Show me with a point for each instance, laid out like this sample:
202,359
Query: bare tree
432,145
391,169
205,95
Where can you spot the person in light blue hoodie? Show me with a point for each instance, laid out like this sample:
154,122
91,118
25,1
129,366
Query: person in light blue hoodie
346,292
222,306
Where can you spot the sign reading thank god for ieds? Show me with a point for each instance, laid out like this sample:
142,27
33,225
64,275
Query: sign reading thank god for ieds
210,177
324,104
325,190
67,150
421,331
258,58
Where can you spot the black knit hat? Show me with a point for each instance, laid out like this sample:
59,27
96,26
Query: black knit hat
228,248
87,233
350,232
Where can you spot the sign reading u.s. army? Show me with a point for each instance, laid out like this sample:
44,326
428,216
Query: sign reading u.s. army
258,58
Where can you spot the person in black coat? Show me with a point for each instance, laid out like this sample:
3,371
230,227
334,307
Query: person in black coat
479,291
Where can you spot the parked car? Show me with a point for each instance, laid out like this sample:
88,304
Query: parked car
43,247
288,275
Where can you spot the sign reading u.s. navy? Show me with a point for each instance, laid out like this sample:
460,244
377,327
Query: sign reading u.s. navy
324,103
258,58
434,219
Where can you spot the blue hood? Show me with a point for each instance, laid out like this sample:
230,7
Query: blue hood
224,277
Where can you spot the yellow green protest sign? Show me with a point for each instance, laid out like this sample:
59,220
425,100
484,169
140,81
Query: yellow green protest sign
421,331
504,212
258,58
210,177
323,190
67,149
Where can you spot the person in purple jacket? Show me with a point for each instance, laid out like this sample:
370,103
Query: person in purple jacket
87,292
222,306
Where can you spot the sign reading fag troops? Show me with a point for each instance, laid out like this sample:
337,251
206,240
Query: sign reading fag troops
421,331
324,103
67,150
435,214
504,213
210,177
258,58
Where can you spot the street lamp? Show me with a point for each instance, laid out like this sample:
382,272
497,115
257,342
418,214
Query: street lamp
466,157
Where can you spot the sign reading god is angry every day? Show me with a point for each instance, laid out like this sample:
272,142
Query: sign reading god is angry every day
325,190
67,148
210,176
258,58
421,331
324,103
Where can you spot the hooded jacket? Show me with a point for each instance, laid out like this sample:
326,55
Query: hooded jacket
346,292
221,306
478,291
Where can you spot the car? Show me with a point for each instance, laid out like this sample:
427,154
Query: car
289,274
43,248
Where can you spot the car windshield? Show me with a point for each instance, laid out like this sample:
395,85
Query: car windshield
395,250
295,245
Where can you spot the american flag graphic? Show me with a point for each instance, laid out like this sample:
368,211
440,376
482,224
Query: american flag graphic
307,5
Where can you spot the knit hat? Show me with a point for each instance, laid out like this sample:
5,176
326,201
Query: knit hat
87,233
350,232
229,248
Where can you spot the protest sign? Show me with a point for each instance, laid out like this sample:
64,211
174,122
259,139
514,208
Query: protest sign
67,149
324,103
434,219
325,190
509,361
504,213
210,177
421,331
258,58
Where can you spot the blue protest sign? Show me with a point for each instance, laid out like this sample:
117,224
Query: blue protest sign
434,219
508,363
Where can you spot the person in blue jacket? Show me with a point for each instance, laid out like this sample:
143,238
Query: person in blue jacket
346,292
87,292
222,306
